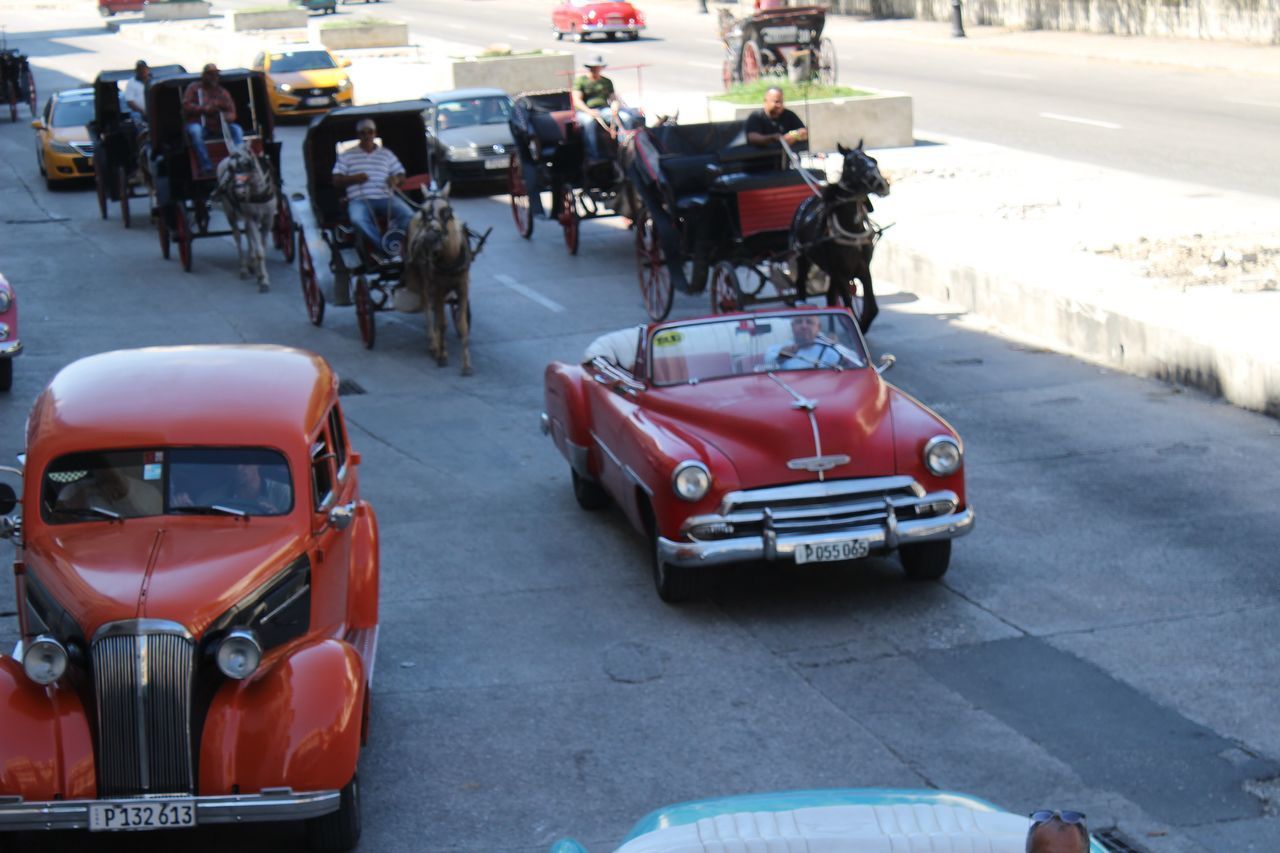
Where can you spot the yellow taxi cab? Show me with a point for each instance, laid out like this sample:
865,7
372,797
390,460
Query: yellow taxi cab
305,80
64,150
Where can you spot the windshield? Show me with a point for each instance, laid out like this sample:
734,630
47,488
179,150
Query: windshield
301,60
72,113
119,484
811,340
470,112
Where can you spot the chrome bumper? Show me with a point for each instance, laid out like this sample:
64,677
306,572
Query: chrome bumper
612,28
273,804
880,538
10,349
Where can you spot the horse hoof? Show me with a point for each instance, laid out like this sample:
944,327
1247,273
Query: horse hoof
244,274
442,362
263,287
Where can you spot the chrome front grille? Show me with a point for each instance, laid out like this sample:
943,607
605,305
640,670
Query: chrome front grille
85,148
490,150
142,675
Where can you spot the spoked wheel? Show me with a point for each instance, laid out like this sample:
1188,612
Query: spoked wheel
162,229
726,74
519,198
569,220
32,98
122,187
827,65
364,312
651,268
726,294
311,294
750,62
182,236
283,234
100,184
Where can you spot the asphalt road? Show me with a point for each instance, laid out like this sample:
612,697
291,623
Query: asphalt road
1104,640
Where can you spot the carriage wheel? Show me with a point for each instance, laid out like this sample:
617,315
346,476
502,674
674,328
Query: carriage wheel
651,268
827,64
100,184
311,294
283,230
364,312
726,74
32,98
726,293
201,210
182,236
162,229
122,187
13,104
519,198
750,62
569,219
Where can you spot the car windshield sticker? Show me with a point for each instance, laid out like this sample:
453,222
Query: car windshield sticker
152,471
149,456
667,339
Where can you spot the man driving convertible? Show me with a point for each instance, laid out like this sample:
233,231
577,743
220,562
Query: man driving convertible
809,349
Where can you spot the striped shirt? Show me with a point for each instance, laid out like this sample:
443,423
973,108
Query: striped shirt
378,164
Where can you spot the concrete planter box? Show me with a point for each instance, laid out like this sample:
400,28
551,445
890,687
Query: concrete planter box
374,35
275,20
881,119
175,11
512,74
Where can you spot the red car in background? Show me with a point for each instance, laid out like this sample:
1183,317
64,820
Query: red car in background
10,343
580,18
760,436
107,8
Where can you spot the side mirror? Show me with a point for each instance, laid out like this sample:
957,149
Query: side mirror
886,361
342,516
8,499
38,124
344,62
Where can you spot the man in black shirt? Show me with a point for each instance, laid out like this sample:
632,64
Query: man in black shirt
775,122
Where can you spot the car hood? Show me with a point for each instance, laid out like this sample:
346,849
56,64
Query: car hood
188,571
478,135
72,133
757,423
320,78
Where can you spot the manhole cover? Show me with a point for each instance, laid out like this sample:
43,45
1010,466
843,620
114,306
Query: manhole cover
1117,842
349,387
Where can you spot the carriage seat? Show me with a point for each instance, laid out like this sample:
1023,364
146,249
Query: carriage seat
687,174
736,182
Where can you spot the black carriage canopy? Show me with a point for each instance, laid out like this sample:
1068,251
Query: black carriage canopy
248,89
107,90
401,128
533,117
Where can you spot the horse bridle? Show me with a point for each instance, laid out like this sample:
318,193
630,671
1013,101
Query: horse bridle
228,186
436,225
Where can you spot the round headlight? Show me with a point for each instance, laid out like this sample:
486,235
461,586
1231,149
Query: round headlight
942,455
691,480
239,654
6,299
285,87
44,660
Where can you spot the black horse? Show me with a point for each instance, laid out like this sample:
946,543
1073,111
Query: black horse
833,233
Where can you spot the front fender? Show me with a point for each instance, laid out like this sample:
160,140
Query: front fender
295,725
362,588
568,419
46,752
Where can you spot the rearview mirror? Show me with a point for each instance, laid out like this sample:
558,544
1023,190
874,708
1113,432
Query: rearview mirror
8,499
887,361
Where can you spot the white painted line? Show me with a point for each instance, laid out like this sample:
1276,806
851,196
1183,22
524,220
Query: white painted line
1272,104
1092,122
715,65
517,36
1012,75
529,293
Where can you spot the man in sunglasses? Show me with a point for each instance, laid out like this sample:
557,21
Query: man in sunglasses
370,174
1055,831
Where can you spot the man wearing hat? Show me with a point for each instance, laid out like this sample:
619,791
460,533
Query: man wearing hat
595,100
370,173
205,104
135,91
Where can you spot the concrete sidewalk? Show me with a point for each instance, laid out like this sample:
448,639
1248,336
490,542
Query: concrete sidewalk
1153,277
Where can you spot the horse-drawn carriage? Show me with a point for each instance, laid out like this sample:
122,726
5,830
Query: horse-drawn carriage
550,157
715,206
782,41
373,278
16,83
120,148
184,194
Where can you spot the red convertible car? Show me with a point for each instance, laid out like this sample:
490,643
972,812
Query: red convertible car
197,599
580,18
762,436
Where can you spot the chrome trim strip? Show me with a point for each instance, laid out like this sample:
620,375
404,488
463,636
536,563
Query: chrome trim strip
635,478
818,491
578,458
302,590
12,348
140,678
276,804
607,452
139,627
803,512
879,537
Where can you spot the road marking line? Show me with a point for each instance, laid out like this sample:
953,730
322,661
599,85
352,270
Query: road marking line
1105,125
1012,75
715,65
1274,105
529,293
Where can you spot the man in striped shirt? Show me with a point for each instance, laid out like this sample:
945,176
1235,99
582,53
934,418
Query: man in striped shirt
369,173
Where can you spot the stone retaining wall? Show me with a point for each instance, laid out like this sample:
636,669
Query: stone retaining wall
276,19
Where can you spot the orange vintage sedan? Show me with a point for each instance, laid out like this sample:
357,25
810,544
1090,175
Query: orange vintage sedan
197,584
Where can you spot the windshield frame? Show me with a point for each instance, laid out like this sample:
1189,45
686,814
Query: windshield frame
62,106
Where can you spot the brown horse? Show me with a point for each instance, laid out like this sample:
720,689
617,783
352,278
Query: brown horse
438,259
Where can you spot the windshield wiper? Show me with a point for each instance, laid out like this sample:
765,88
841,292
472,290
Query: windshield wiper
209,510
90,512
